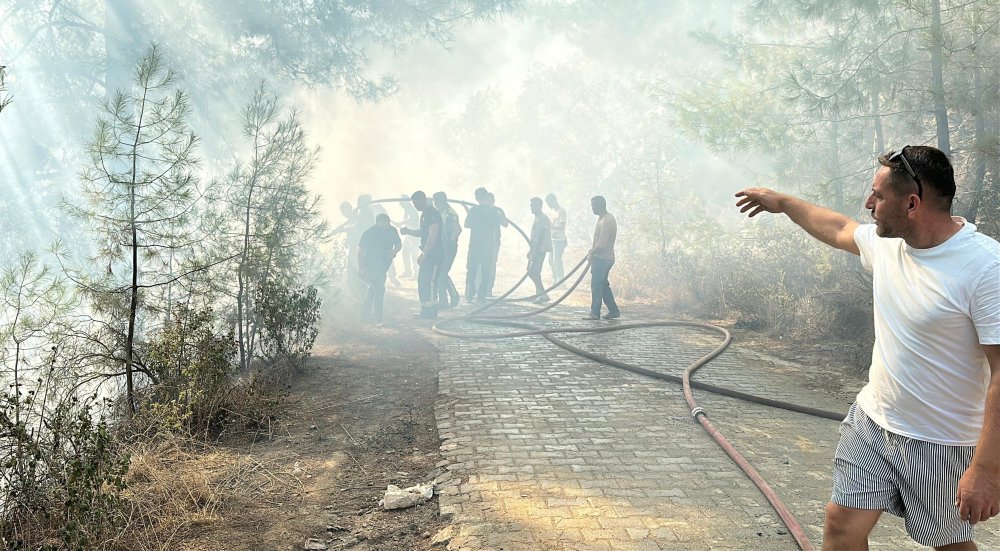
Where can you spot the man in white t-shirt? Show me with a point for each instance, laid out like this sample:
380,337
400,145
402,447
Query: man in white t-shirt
922,440
558,220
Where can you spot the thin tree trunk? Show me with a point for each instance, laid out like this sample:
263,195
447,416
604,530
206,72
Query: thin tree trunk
877,107
979,143
133,308
241,291
937,70
133,305
838,182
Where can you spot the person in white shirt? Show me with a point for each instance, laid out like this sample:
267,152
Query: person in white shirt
559,241
922,440
602,258
539,245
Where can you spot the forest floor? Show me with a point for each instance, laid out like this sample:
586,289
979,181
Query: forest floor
358,417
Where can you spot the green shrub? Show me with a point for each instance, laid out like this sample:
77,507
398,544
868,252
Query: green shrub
287,320
192,364
62,477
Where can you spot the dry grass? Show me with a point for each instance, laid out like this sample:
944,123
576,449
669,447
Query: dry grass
179,488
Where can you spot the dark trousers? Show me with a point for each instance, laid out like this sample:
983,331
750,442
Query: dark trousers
427,276
375,296
445,286
556,261
600,288
480,267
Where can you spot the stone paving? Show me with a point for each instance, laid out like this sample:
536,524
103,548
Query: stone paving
545,450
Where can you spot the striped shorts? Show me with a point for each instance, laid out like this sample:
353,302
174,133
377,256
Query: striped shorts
875,469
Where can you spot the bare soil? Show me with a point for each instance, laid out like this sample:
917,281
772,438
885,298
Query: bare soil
358,417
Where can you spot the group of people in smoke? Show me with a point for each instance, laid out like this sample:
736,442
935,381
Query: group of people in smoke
373,243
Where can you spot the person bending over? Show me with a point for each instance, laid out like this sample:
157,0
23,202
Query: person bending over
378,246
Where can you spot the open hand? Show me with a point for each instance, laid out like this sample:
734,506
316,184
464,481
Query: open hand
758,200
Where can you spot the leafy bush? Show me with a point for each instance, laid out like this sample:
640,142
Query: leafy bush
62,477
192,365
287,320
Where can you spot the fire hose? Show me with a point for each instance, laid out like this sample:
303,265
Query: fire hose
698,413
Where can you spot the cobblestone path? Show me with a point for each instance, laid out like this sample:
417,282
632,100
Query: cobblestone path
545,450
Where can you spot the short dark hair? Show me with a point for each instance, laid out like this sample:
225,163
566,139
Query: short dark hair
480,192
599,200
381,216
418,195
551,197
440,196
932,167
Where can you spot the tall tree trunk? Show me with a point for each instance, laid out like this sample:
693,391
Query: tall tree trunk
838,181
980,142
133,306
877,106
241,292
937,71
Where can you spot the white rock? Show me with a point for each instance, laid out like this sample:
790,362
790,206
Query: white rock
400,499
313,544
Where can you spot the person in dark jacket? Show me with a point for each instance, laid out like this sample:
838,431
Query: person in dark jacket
378,246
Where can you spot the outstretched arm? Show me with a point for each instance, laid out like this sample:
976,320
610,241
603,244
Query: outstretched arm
978,497
828,226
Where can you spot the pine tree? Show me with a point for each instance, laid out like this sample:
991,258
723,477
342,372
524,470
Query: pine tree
138,198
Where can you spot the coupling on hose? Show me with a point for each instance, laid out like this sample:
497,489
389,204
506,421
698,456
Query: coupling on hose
698,411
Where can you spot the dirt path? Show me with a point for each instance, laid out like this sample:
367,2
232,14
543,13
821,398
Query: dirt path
357,418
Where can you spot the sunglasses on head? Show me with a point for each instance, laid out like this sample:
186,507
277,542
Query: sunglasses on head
892,156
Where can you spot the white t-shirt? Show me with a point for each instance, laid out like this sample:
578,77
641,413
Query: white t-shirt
605,234
933,309
558,224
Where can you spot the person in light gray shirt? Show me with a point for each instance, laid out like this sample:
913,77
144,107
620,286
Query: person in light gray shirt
558,219
602,258
539,245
